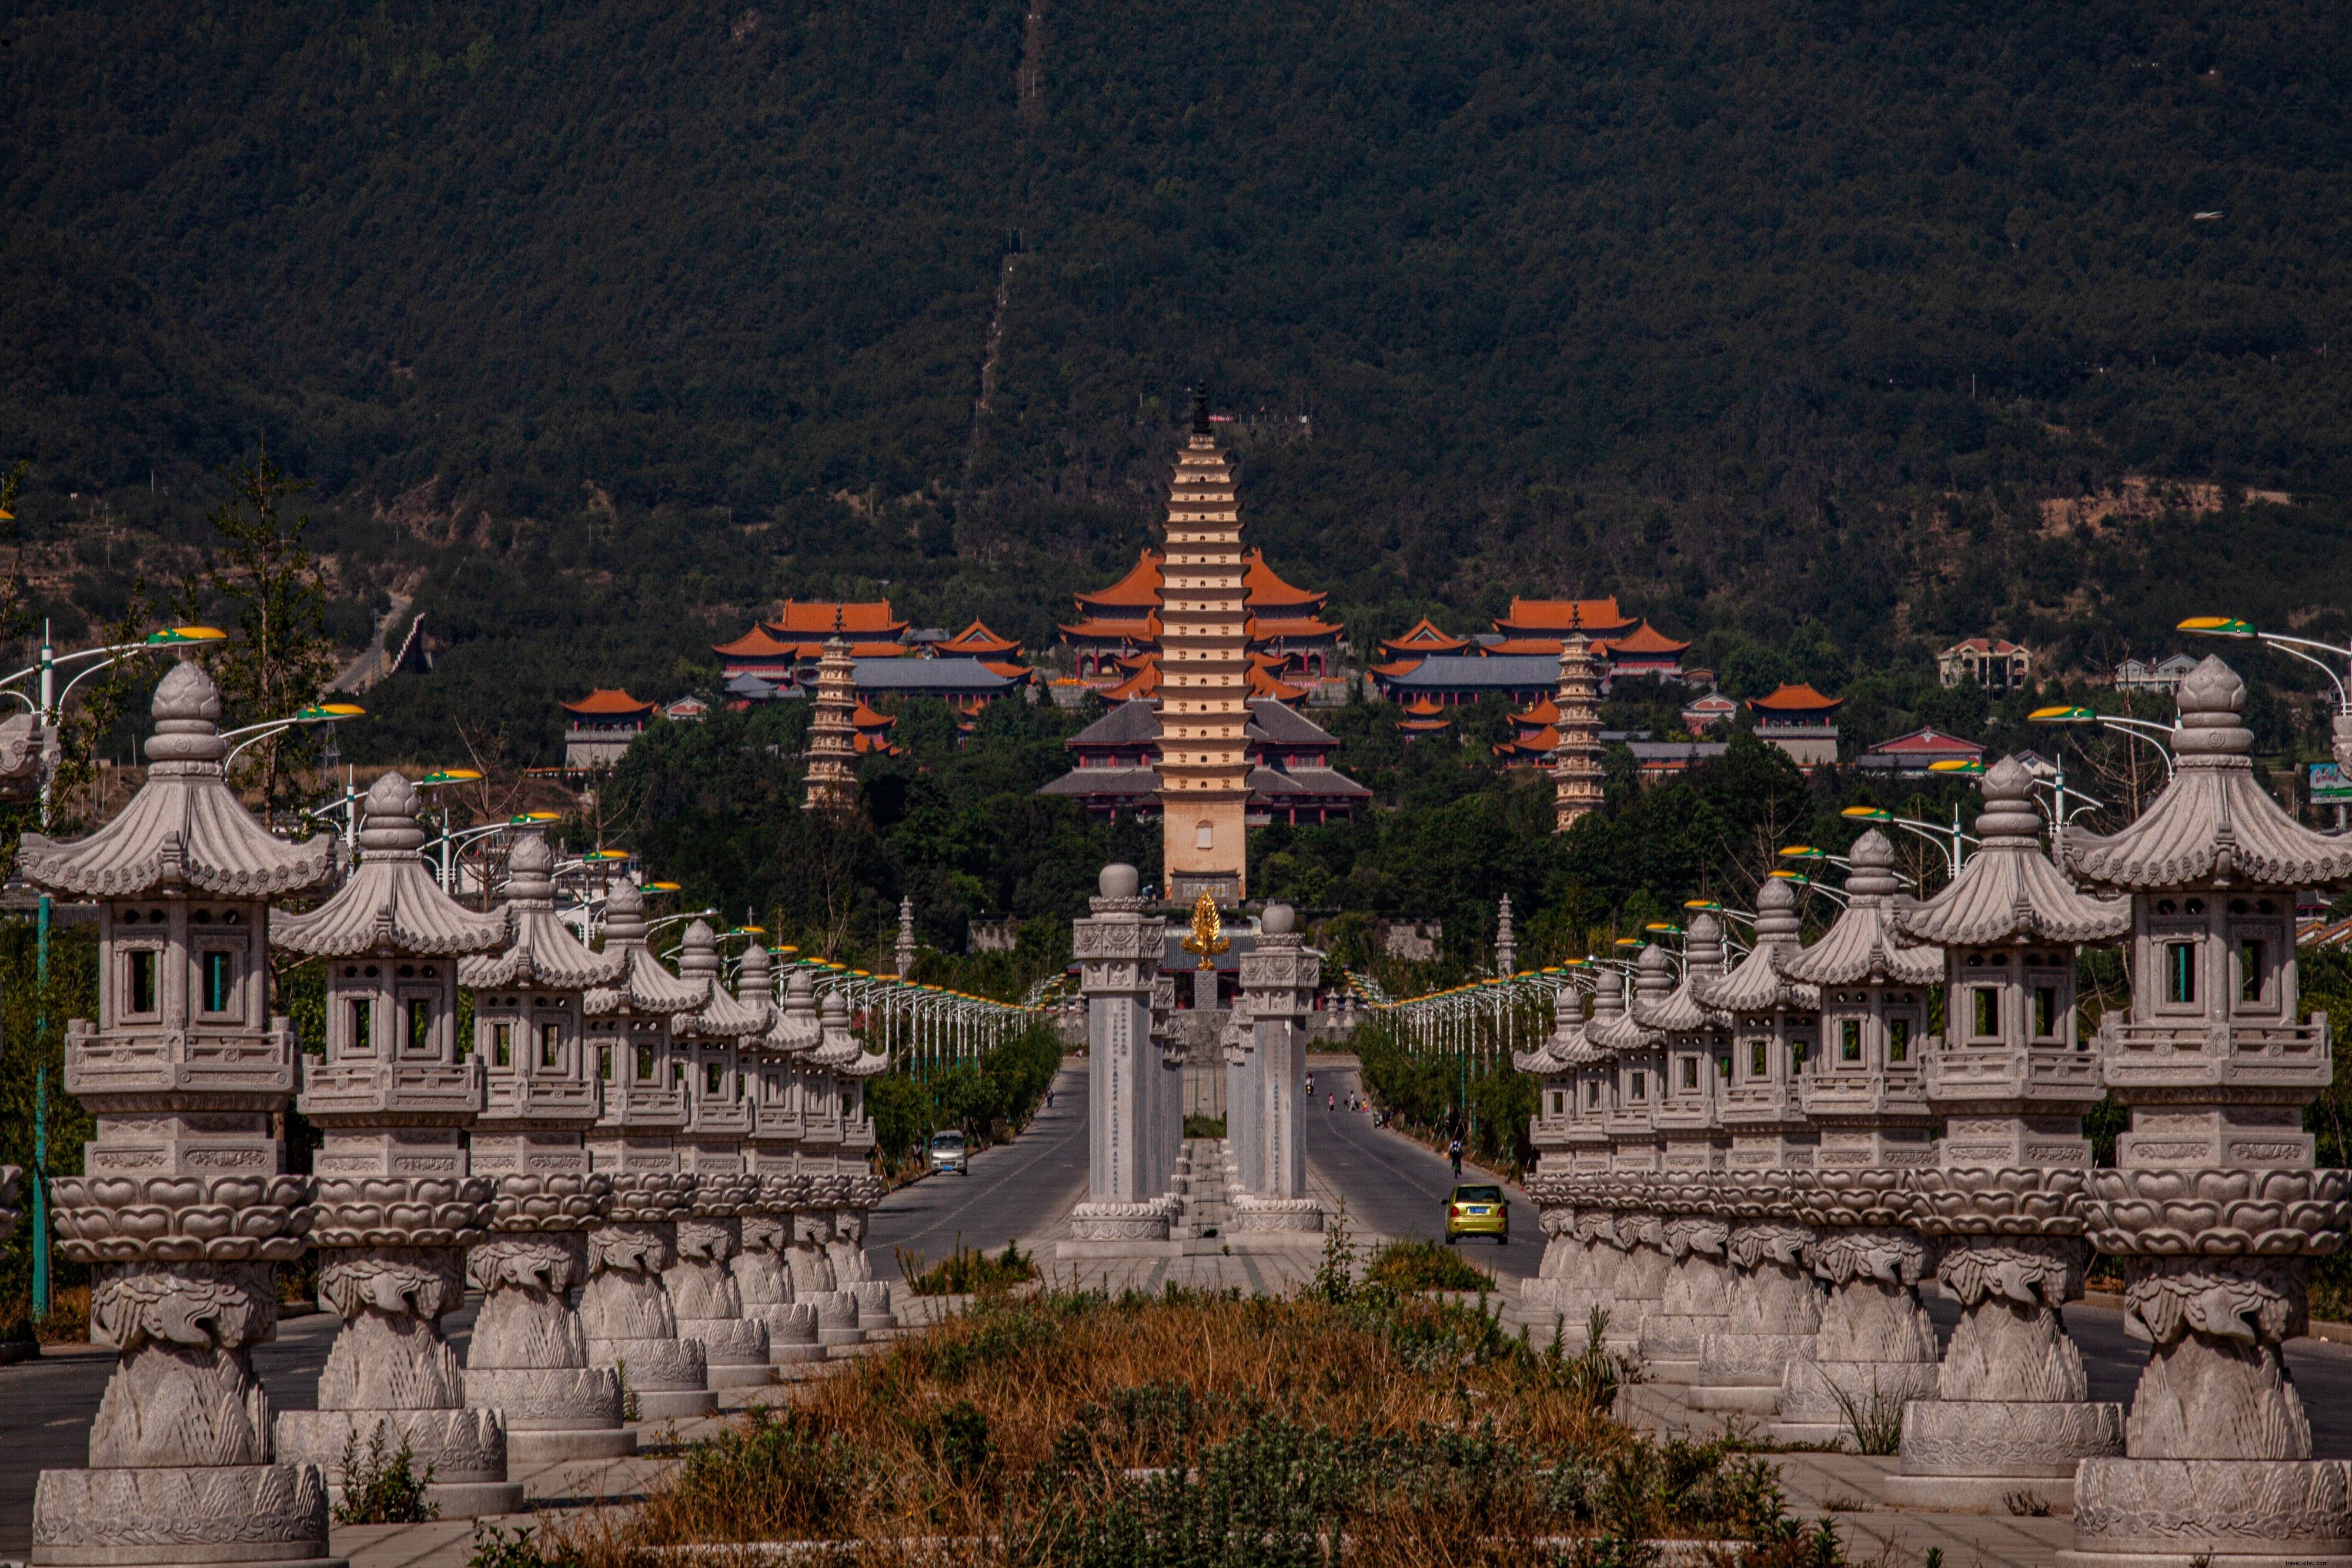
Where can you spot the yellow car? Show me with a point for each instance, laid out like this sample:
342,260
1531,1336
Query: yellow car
1477,1211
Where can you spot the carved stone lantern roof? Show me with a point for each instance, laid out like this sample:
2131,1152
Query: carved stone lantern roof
1758,983
391,904
797,1030
2008,891
1653,979
1862,948
541,949
2215,824
185,830
649,987
721,1016
1608,1023
1681,1011
840,1047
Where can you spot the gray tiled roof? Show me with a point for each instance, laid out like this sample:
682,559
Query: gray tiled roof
1490,671
391,904
1105,781
1135,723
882,676
1285,725
1317,781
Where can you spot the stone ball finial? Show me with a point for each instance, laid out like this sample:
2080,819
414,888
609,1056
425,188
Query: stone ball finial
1279,920
530,866
1776,911
698,950
1654,971
1874,866
1120,879
754,980
388,824
2008,790
187,709
625,913
2212,698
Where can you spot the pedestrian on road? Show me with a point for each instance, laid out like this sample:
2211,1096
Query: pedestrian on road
1454,1153
1049,1099
1330,1104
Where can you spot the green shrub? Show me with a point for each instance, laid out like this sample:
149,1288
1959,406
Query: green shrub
1426,1266
966,1272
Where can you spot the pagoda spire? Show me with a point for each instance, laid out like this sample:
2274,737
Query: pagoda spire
1204,676
832,780
1576,759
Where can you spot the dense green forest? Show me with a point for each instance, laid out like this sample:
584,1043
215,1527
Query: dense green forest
599,327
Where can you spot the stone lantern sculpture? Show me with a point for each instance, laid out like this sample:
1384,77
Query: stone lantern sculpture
627,1310
1773,1310
1551,1064
2213,1207
528,1357
1279,976
1593,1252
2012,1078
1637,1283
796,1037
852,1269
397,1206
721,1114
763,1272
184,1210
838,1222
1694,1300
1861,1092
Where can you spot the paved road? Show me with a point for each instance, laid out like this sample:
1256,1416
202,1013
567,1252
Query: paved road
1395,1186
1015,1190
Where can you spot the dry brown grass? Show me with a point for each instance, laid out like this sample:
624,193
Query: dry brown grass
1079,1429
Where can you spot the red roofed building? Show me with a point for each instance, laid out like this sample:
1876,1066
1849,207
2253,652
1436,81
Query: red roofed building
1645,651
872,730
1551,619
783,651
977,642
1801,722
601,727
1914,756
1537,736
1423,640
1423,716
1118,624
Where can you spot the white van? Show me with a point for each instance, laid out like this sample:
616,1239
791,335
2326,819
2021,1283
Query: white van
947,1152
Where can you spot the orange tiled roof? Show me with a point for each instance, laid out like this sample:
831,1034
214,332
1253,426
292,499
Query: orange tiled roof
757,644
1262,589
1263,683
1645,639
867,718
1535,743
1424,638
976,641
863,743
1144,683
1140,586
1010,671
1425,707
1424,726
1543,647
1595,616
821,619
1545,711
602,704
1401,667
1798,698
1268,630
1144,630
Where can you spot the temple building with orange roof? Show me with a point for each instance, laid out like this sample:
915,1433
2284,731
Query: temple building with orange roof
871,731
601,727
1125,621
1423,640
1115,767
1535,733
1427,661
1423,716
779,658
1801,722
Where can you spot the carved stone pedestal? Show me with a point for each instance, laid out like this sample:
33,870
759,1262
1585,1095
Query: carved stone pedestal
389,1372
528,1358
2218,1467
1773,1316
183,1391
626,1311
1876,1350
703,1287
1636,1282
1256,1214
764,1276
2012,1413
1695,1300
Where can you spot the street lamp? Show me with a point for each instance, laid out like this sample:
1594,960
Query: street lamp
1835,895
2142,730
52,700
323,713
1949,839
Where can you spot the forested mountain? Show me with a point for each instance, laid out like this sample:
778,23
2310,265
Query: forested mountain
601,324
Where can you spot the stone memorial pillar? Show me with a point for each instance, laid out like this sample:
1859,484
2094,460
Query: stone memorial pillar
627,1310
1694,1299
1772,1309
763,1271
1279,978
1877,1348
1118,950
1593,1252
1637,1280
184,1209
2012,1078
721,1116
397,1205
528,1358
1549,1062
2212,1207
